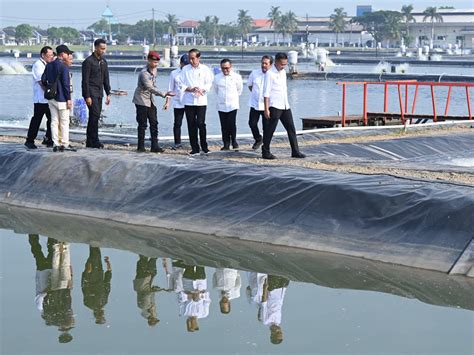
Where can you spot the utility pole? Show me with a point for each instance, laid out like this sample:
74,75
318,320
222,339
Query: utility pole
153,22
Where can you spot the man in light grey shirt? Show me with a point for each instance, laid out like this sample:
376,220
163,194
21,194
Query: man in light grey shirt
144,102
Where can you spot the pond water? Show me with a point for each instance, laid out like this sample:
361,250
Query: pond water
308,98
59,296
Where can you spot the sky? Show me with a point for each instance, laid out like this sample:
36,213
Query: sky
80,14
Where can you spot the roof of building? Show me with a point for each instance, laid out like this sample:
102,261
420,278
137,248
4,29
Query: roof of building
41,32
9,31
189,23
260,23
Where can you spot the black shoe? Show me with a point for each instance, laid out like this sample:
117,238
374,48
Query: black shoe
205,150
225,148
55,148
257,144
141,150
30,145
62,148
268,156
298,155
70,148
100,146
47,142
193,152
157,149
235,145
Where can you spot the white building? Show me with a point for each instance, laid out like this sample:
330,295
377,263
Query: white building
457,28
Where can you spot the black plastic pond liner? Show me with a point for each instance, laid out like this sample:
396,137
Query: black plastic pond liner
415,223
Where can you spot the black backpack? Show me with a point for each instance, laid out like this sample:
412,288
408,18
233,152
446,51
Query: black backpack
51,89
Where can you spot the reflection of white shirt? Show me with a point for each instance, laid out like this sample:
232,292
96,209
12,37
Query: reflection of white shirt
256,81
256,281
275,88
228,89
271,309
190,308
200,77
228,281
37,70
174,86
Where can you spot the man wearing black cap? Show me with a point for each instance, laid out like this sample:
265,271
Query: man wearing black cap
95,79
145,104
56,74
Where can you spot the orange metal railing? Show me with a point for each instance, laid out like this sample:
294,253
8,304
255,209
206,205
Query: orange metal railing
404,99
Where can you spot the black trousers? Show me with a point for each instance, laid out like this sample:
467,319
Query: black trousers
228,127
196,119
39,111
178,120
269,126
93,123
254,117
147,114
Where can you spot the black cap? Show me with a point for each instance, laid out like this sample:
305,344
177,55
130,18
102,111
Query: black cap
62,48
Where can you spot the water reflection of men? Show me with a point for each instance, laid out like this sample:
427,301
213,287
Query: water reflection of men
143,285
274,290
95,284
267,293
53,285
228,282
190,283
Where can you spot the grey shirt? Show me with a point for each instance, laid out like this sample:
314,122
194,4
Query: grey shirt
146,88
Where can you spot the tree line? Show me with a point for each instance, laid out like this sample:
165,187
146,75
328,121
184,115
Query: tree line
386,25
383,25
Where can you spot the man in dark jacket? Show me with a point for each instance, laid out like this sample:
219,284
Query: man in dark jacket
56,74
95,79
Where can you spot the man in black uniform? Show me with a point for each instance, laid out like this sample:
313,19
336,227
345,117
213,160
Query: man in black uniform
95,79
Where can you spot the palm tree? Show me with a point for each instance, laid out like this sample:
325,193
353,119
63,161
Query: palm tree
338,22
205,28
215,29
432,14
407,18
275,19
244,23
291,23
171,23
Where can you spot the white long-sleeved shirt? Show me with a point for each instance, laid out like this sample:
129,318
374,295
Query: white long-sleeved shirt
271,309
275,88
200,77
228,89
37,70
228,281
256,81
190,308
174,87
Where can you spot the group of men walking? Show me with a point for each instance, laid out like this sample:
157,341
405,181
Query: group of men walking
189,86
52,88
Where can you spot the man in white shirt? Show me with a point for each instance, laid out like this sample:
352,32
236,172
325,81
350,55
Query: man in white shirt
277,108
41,106
228,282
274,290
178,107
255,84
195,82
228,86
